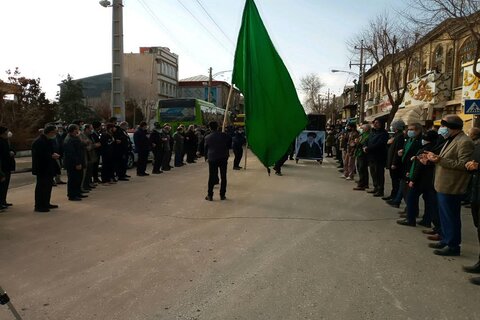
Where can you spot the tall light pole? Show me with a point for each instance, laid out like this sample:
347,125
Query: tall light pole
117,102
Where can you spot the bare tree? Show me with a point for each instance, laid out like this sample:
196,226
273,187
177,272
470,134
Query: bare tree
391,46
465,13
311,86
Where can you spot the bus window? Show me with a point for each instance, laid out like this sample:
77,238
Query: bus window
177,112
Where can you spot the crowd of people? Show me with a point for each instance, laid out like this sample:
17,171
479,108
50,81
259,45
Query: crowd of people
440,164
98,154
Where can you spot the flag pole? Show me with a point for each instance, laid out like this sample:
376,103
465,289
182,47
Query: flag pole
230,93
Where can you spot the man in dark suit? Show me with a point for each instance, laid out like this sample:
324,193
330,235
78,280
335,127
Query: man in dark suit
142,147
74,162
7,162
376,151
44,167
217,146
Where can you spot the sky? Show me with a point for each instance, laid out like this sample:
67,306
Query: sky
49,39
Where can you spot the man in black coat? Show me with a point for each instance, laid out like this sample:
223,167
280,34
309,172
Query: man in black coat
7,163
122,148
394,161
142,147
44,167
376,151
157,148
238,141
74,161
217,145
95,137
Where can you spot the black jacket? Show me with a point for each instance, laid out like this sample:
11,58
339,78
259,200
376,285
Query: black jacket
156,141
393,158
43,164
377,145
7,162
238,140
140,139
423,175
107,141
74,153
217,145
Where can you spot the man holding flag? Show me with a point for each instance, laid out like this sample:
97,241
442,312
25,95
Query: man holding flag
274,115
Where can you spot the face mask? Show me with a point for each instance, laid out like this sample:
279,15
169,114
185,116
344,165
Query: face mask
424,142
360,130
10,134
391,129
411,134
443,131
52,137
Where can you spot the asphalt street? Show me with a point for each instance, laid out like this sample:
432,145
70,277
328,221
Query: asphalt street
301,246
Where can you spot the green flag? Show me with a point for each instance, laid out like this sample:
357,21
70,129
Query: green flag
274,115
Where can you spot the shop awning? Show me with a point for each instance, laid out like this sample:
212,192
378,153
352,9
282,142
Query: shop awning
376,116
410,115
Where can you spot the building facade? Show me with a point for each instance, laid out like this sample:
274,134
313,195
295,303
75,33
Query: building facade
440,78
197,88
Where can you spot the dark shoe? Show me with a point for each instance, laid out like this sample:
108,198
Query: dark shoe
475,281
430,232
7,204
406,223
209,198
424,224
156,172
223,198
472,269
123,179
61,182
41,210
82,196
378,195
278,173
52,206
2,207
435,237
437,245
447,252
359,189
372,191
142,174
75,199
393,204
237,168
403,215
387,198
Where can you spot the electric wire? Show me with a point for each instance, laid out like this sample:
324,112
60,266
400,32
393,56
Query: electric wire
216,24
206,29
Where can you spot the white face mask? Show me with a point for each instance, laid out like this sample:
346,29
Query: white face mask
360,130
424,142
10,134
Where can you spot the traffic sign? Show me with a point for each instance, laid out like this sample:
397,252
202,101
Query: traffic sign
472,106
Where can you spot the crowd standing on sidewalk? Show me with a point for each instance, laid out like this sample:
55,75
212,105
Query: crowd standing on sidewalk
440,164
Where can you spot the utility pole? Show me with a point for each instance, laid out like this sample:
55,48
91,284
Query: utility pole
209,84
118,94
362,79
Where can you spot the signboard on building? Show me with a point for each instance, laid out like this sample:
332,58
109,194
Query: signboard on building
472,106
471,84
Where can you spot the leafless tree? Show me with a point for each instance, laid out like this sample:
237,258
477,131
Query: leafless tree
391,47
311,86
465,13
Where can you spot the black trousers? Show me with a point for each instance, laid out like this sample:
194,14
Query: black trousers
120,164
157,160
279,163
4,187
108,170
476,219
377,171
43,192
95,171
362,163
395,175
74,183
238,152
213,168
142,162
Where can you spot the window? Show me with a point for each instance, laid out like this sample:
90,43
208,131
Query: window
414,67
449,61
466,53
438,59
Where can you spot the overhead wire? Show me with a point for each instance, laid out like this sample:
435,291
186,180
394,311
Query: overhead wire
216,24
206,29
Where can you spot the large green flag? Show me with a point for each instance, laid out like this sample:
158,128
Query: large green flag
274,115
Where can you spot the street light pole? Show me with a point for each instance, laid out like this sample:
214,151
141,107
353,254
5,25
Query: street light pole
117,101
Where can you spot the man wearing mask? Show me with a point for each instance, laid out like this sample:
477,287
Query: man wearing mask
376,151
394,163
74,163
362,159
451,180
44,168
352,139
7,163
142,147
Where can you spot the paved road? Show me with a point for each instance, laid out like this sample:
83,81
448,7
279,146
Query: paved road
301,246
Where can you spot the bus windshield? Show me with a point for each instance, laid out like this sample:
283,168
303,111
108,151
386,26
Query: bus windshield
177,110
